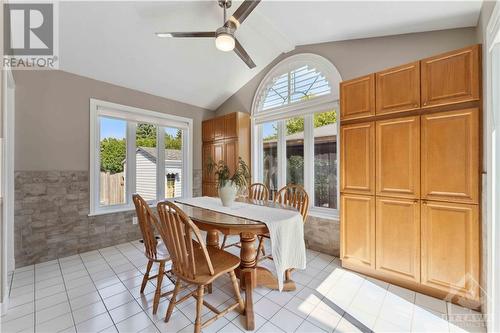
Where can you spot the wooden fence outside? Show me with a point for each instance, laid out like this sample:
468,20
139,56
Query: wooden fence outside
112,188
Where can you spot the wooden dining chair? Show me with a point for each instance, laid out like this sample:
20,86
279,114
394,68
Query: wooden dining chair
155,251
256,191
194,263
291,195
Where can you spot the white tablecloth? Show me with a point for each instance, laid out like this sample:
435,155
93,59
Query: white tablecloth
286,229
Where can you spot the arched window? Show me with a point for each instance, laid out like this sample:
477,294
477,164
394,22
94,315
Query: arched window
294,115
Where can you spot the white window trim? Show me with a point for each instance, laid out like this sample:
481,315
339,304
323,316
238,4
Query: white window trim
135,115
492,186
304,109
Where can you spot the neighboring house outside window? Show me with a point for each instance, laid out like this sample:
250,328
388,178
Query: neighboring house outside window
294,116
137,151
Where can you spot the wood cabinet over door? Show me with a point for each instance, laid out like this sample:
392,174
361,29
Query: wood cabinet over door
451,77
450,248
450,156
398,238
398,157
357,98
398,89
357,158
357,230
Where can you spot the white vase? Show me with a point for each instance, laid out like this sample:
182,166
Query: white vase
227,194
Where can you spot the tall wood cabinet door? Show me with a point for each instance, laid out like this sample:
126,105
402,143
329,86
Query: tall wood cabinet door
357,223
398,89
357,98
450,156
452,77
219,125
398,238
450,248
231,151
357,158
218,151
207,132
207,154
398,157
231,125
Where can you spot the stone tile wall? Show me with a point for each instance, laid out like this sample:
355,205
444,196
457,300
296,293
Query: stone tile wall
51,217
322,235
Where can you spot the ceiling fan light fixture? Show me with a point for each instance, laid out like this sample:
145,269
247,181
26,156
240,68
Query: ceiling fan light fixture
224,40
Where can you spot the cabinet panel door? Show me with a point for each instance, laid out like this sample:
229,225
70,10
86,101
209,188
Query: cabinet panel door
357,158
398,89
357,223
450,156
451,77
210,189
450,248
398,157
231,125
398,238
357,98
207,131
219,125
207,154
231,151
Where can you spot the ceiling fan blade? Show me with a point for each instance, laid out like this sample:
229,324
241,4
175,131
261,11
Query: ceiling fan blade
240,51
242,12
195,34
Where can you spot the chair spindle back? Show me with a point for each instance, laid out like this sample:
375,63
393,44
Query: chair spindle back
177,230
294,196
258,191
147,223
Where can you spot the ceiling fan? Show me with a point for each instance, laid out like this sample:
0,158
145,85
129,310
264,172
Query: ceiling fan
224,36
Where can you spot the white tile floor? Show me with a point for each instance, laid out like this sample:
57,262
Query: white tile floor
98,291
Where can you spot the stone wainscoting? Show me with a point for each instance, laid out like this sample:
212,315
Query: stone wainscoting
51,217
322,235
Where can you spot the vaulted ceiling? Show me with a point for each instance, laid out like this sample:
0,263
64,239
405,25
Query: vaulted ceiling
115,42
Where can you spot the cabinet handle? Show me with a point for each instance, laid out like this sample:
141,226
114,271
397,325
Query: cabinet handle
415,201
424,202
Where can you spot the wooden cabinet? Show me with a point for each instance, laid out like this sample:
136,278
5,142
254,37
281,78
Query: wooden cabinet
398,238
398,89
450,248
450,78
398,157
357,158
231,125
225,138
207,133
450,156
357,98
357,230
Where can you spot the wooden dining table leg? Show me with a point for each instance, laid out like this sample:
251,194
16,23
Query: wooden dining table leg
248,278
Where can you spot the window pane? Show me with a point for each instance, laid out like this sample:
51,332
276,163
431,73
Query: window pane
270,156
145,164
295,150
325,159
173,162
113,152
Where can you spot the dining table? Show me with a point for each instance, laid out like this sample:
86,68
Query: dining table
250,274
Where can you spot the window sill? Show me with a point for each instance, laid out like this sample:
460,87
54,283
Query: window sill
111,211
329,214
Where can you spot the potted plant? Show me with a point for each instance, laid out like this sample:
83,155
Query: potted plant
229,185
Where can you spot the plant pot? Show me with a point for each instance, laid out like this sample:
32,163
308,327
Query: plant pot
227,194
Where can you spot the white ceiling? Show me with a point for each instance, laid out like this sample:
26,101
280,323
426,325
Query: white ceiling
115,41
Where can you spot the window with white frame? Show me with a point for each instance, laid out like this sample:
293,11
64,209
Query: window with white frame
294,115
137,151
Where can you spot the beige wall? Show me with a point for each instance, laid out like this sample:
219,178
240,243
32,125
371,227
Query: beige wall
363,56
52,118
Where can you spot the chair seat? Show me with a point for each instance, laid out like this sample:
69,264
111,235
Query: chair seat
222,261
161,252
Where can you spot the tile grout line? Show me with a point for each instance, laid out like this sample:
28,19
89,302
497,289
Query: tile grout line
98,293
134,299
67,296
